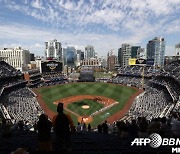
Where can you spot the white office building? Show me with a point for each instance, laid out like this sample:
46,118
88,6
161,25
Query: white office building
92,63
53,50
17,57
124,54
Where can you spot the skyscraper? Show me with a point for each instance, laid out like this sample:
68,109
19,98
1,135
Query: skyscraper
53,50
32,58
120,57
134,51
69,56
156,51
78,57
82,55
89,52
111,61
124,53
177,49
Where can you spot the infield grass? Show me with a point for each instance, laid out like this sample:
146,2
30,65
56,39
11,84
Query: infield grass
119,93
77,107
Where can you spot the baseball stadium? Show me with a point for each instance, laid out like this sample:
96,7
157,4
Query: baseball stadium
135,102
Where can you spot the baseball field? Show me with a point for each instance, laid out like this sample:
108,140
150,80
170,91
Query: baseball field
95,102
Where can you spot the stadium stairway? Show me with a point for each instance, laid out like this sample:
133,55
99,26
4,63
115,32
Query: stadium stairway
88,143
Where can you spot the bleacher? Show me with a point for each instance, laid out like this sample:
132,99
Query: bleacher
21,104
173,69
8,71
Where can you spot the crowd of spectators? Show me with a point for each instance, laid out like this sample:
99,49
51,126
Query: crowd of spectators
51,79
8,71
128,80
170,83
142,127
136,70
161,93
173,69
8,76
124,132
151,103
21,105
52,74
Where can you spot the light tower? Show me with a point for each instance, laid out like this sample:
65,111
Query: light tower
141,62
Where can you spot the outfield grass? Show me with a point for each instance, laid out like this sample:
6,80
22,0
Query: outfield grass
116,92
77,107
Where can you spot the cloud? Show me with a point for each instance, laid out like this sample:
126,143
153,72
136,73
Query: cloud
37,4
12,31
103,23
172,27
36,38
108,13
37,45
13,45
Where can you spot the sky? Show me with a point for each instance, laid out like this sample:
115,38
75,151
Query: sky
105,24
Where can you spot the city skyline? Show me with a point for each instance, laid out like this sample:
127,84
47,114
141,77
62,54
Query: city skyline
104,24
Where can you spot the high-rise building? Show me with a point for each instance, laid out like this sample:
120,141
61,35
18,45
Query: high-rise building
17,57
111,60
134,51
141,53
177,49
32,58
78,57
156,51
70,56
82,55
124,53
89,52
104,62
53,50
120,57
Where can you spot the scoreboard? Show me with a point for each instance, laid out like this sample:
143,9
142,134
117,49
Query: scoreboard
51,66
134,61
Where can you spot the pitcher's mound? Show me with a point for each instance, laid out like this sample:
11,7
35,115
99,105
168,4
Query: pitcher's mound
85,106
85,119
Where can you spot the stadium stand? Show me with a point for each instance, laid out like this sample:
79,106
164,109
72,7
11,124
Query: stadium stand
33,77
17,102
8,71
173,69
162,90
154,111
95,142
151,103
21,104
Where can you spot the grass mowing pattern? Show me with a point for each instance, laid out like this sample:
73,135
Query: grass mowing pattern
77,107
116,92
